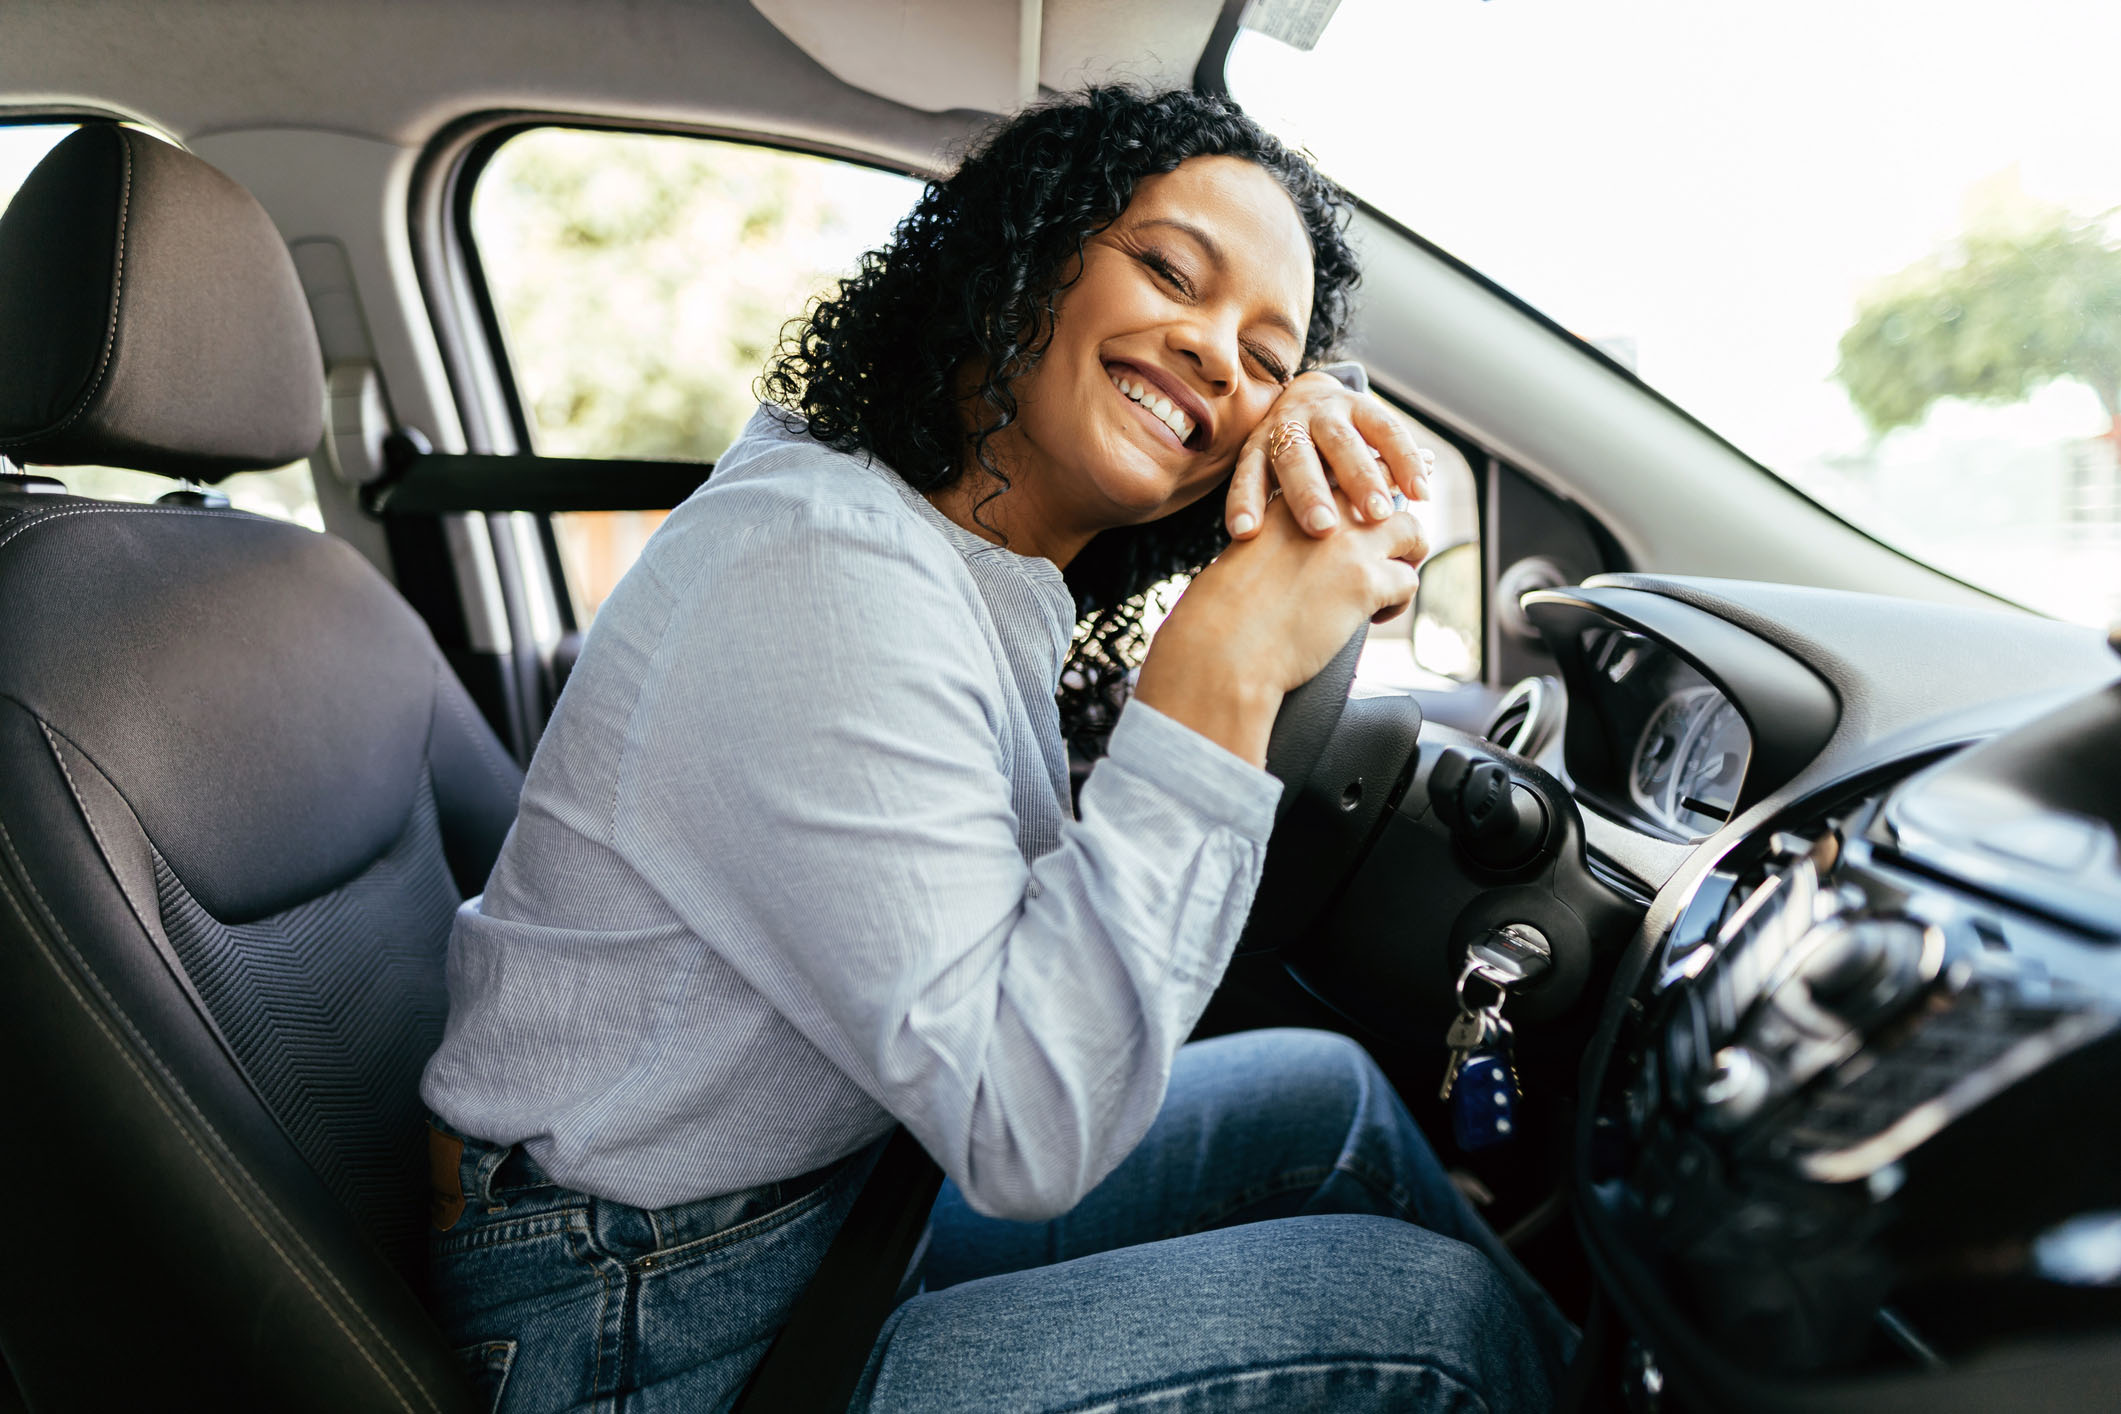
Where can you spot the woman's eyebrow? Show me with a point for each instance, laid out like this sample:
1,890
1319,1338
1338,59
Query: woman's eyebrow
1215,255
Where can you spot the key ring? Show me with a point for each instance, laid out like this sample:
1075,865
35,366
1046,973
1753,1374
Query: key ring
1487,974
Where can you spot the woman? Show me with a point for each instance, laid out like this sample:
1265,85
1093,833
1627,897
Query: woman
796,861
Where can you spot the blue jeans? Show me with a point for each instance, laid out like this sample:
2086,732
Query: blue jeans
1282,1238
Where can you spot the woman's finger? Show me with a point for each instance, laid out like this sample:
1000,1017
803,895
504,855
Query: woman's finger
1403,539
1411,466
1395,585
1245,507
1301,476
1354,466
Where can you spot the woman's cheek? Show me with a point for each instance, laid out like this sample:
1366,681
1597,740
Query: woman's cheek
1252,413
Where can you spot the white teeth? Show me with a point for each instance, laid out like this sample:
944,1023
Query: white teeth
1167,412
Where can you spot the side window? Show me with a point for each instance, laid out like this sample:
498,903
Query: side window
1437,643
285,492
640,282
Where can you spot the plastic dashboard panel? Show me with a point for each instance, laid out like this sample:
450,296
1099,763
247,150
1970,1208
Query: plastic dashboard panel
1910,682
1790,712
1902,670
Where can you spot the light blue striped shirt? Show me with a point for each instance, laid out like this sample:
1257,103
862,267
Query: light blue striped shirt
796,857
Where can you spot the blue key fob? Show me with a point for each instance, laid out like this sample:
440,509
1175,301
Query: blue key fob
1484,1101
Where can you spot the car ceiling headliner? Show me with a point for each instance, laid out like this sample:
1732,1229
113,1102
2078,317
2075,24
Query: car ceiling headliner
400,70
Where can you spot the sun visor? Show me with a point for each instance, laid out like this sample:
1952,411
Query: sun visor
995,55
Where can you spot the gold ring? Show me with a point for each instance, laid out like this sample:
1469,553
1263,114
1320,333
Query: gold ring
1289,434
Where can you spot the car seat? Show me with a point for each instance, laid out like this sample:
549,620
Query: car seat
241,799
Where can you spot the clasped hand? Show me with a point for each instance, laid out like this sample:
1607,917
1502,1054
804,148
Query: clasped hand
1304,568
1319,435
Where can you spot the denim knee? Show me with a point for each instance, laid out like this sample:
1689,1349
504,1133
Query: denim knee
1444,1300
1363,1310
1312,1069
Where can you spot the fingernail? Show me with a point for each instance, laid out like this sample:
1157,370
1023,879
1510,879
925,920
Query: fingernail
1320,519
1379,505
1243,524
1422,485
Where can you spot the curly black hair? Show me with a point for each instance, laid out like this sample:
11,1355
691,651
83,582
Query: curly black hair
970,280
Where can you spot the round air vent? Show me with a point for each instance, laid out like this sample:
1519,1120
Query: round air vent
1528,718
1521,578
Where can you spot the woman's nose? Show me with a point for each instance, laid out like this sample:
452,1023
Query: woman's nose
1211,348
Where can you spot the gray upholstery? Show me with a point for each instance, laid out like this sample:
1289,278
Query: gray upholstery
150,317
241,795
229,855
203,685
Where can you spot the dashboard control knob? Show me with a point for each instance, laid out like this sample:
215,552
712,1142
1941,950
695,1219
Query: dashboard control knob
1501,822
1846,958
1484,799
1857,965
1734,1089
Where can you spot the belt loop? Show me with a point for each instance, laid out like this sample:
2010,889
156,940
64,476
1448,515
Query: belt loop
490,1162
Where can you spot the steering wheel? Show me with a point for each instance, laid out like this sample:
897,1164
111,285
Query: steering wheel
1306,721
1301,731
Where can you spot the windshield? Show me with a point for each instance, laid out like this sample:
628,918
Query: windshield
1872,245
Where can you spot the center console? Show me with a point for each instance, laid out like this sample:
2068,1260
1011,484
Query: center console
1855,1141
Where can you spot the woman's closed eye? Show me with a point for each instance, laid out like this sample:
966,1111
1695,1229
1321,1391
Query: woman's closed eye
1274,367
1167,271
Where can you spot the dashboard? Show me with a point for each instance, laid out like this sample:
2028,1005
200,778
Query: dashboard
1814,912
1843,1141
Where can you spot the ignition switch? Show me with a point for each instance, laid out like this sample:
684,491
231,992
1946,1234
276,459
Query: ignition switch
1500,822
1513,953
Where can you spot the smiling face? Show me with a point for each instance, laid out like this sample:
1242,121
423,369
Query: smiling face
1167,350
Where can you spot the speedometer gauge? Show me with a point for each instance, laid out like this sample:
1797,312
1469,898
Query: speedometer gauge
1690,761
1659,752
1710,769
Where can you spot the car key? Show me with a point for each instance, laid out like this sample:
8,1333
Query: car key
1471,1031
1481,1082
1484,1089
1471,1028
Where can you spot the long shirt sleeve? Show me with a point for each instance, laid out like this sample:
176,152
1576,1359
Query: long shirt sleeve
814,782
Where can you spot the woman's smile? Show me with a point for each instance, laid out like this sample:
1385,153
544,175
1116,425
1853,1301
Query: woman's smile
1169,408
1189,310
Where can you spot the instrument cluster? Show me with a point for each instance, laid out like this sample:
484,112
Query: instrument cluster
1685,744
1689,762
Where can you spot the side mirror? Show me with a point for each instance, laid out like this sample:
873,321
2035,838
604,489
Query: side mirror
1448,628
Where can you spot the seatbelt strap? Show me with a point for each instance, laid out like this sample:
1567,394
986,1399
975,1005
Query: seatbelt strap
816,1362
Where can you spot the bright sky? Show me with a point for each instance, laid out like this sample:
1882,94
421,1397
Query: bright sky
1716,182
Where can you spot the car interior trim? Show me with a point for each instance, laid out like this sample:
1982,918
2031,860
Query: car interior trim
1790,711
442,482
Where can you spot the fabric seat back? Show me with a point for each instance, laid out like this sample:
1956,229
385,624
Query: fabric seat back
242,796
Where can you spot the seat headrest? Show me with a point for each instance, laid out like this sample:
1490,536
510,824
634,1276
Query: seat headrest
150,317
